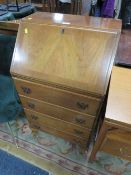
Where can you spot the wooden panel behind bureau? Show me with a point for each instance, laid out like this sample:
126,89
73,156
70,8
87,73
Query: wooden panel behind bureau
57,96
45,120
58,112
118,145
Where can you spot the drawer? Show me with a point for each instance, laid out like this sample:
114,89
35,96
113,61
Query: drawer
81,103
62,113
118,145
74,139
45,120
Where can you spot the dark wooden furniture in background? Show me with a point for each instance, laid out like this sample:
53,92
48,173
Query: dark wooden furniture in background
123,57
49,5
61,68
115,133
75,7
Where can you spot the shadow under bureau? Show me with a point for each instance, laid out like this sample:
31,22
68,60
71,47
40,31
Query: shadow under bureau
61,68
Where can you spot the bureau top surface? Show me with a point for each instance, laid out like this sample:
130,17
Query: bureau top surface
119,99
74,20
66,56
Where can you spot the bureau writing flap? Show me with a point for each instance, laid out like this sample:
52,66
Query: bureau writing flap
66,56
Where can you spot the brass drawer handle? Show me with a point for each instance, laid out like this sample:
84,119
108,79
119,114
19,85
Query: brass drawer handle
34,117
80,120
36,127
78,132
26,90
82,105
31,105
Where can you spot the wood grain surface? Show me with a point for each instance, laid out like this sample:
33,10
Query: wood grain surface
118,145
69,57
119,99
115,134
71,116
80,103
74,20
51,122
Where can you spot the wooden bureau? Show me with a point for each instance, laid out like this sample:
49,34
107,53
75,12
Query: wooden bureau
61,68
115,134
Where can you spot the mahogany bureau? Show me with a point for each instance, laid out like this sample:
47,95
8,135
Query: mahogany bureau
61,68
115,133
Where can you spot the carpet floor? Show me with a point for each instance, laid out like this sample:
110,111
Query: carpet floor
10,165
60,152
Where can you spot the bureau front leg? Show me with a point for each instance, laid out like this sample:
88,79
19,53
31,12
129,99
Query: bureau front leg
100,138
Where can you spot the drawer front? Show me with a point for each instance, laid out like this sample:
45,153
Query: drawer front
70,116
118,145
74,139
57,96
44,120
